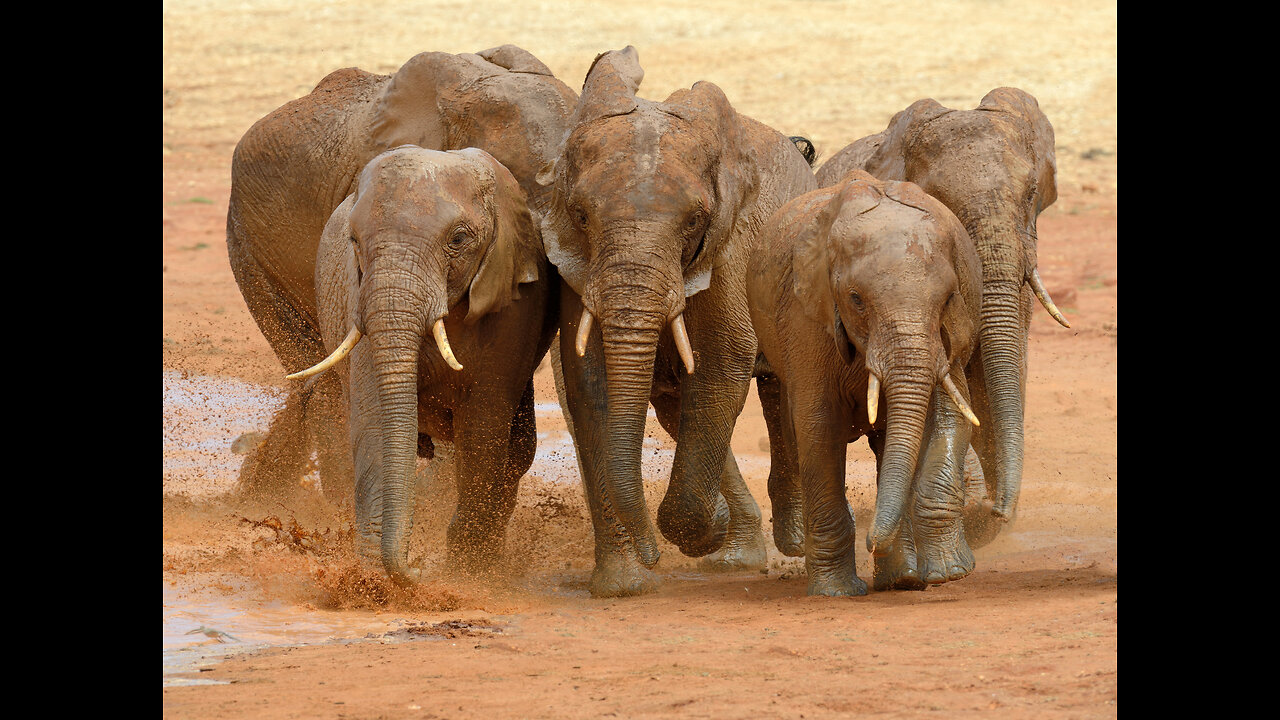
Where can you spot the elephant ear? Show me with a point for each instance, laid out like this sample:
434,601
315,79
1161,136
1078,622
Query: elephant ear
1038,133
515,249
708,110
960,314
610,86
812,253
515,59
408,111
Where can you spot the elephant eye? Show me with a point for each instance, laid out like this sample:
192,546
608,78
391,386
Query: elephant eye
694,221
460,237
856,299
579,216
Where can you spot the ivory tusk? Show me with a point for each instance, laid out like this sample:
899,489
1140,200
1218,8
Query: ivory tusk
873,396
1037,287
682,342
950,386
584,331
442,342
342,350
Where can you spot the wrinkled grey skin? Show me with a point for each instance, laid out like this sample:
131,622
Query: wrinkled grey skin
868,277
653,210
430,235
294,166
994,167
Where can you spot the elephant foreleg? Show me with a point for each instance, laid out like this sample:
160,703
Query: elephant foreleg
941,549
744,546
785,494
327,424
819,428
981,524
491,456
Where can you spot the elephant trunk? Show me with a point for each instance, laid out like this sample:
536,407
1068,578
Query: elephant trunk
1006,251
909,382
1004,348
395,315
630,345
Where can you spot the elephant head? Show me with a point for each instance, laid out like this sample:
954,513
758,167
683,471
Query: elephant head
892,275
994,167
646,200
432,233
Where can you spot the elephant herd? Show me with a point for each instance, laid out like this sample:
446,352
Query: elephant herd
413,245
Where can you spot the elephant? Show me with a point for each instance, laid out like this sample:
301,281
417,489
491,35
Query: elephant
653,209
858,289
293,167
431,277
994,167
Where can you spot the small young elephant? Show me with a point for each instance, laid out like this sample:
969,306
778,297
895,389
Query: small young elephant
856,289
431,275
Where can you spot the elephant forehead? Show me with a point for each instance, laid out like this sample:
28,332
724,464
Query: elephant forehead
888,238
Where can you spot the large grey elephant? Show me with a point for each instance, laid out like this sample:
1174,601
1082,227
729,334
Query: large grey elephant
431,275
858,289
653,210
994,167
294,166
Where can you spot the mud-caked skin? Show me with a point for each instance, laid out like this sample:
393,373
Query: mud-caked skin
293,167
653,207
859,291
436,262
994,167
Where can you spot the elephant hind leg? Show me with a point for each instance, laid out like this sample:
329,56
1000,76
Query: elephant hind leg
785,494
744,544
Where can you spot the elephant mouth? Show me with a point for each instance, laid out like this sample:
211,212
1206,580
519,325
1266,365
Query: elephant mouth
353,338
678,332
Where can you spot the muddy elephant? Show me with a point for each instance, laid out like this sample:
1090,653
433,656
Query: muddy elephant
858,290
432,277
294,166
994,167
653,210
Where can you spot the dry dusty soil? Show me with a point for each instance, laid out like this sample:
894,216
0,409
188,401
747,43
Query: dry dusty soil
1031,633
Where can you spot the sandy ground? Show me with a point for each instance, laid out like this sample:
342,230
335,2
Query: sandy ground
1031,633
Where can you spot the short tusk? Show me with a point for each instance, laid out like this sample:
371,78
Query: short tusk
584,331
442,342
950,386
1037,287
336,356
682,342
873,396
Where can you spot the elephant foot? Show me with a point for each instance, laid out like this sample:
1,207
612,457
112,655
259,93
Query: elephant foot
690,528
896,570
981,524
945,562
743,550
831,585
618,574
788,531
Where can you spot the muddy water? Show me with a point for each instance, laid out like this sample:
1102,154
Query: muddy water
202,419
